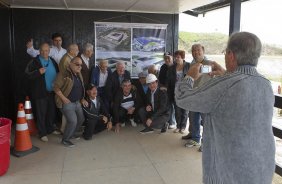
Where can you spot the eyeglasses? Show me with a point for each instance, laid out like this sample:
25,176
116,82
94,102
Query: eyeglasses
225,51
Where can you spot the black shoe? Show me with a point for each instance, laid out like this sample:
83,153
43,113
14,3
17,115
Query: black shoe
186,137
164,129
147,131
68,144
87,138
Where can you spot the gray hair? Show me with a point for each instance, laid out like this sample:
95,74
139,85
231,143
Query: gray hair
103,61
197,45
72,47
43,44
120,63
87,46
246,48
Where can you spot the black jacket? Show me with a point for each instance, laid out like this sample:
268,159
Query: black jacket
37,81
117,103
113,85
160,104
171,79
163,75
141,94
92,112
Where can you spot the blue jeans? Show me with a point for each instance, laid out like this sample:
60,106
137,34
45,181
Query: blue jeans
75,117
181,116
195,121
171,120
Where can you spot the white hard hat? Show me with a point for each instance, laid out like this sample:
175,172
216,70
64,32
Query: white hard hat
151,78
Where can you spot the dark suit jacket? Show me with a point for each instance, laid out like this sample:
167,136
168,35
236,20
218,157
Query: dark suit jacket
113,85
160,104
85,71
141,94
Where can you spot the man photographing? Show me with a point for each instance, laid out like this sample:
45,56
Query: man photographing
237,108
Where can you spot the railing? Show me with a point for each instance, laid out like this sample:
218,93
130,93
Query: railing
277,131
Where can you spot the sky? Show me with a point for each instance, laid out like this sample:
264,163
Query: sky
261,17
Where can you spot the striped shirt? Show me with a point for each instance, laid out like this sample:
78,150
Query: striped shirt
127,101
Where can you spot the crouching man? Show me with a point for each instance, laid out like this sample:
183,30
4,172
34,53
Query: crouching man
96,114
155,114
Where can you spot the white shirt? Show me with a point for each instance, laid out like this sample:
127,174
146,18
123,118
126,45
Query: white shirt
95,102
55,53
152,99
103,78
86,60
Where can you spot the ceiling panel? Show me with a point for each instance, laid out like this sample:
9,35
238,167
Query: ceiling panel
150,6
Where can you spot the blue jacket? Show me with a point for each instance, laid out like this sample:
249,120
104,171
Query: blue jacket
95,75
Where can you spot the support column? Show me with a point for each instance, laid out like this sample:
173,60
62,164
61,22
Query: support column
235,16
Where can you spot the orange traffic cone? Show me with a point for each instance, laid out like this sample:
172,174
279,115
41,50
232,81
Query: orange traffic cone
23,144
29,117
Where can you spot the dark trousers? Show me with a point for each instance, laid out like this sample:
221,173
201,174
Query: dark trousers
93,126
103,96
123,116
157,123
45,114
181,116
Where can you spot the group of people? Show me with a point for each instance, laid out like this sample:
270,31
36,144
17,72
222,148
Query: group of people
238,142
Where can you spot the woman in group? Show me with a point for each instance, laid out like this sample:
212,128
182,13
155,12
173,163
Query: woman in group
175,74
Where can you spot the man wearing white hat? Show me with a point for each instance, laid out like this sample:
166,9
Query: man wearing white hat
155,114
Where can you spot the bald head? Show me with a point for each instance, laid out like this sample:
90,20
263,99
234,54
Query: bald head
73,49
44,50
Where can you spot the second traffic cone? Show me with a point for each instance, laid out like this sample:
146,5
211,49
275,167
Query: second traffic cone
23,145
29,117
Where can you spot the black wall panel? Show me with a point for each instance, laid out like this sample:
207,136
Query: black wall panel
6,68
75,26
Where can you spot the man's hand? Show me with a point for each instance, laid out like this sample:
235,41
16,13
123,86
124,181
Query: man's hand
149,108
149,122
117,127
105,119
109,126
42,70
131,110
194,71
216,69
84,102
66,100
29,44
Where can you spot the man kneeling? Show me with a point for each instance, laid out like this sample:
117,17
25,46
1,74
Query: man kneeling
96,115
155,114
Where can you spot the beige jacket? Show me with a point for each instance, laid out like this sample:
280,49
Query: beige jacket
64,83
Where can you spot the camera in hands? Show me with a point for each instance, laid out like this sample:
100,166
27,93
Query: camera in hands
206,69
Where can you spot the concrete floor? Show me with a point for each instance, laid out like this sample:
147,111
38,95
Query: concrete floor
125,158
110,158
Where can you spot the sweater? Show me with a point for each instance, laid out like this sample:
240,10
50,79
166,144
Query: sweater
238,146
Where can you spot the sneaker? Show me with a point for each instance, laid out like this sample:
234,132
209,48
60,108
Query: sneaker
68,144
176,130
172,127
122,124
75,137
200,149
190,143
147,130
186,137
164,129
182,131
56,132
133,123
44,138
